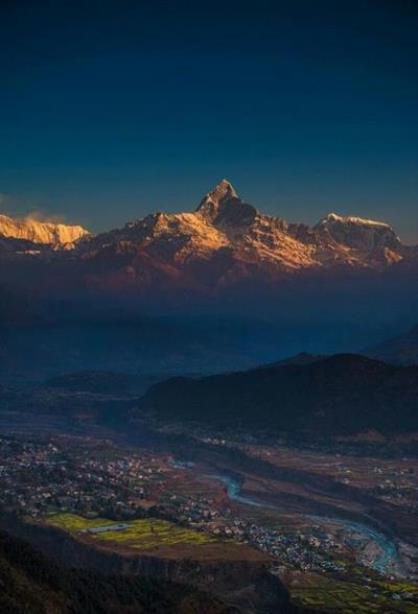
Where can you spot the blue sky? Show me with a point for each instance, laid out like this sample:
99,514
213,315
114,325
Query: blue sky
111,110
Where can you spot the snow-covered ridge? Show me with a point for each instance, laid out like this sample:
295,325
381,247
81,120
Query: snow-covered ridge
227,238
350,219
46,233
224,241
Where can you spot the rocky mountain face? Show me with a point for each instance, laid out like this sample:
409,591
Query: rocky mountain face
37,232
224,242
232,236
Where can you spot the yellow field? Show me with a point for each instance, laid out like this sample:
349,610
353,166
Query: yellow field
141,534
74,523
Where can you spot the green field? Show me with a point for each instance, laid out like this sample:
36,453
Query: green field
141,534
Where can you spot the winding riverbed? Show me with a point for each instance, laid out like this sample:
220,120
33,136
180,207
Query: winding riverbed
386,556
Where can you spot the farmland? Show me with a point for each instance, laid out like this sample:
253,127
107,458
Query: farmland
331,595
143,534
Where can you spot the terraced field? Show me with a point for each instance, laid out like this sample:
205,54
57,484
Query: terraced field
328,595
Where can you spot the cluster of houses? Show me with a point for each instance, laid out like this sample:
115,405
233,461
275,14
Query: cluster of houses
306,552
42,477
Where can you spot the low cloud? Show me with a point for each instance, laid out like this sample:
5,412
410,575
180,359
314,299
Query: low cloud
39,215
22,210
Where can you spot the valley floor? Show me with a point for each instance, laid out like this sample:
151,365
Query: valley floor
337,526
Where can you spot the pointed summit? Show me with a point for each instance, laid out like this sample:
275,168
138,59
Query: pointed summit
223,207
210,204
222,190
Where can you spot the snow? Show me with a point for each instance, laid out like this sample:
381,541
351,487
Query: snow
350,219
47,233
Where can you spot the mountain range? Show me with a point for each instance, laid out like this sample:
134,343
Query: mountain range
225,242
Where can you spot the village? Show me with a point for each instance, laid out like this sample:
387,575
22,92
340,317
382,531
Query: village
40,478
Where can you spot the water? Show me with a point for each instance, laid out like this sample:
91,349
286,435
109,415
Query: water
388,556
233,489
381,563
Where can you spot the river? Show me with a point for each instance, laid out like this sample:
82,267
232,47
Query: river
386,556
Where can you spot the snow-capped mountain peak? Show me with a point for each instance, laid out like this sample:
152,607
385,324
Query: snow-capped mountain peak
224,189
223,208
364,235
227,241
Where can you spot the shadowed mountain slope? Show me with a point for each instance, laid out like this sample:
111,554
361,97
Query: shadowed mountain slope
31,582
401,350
337,395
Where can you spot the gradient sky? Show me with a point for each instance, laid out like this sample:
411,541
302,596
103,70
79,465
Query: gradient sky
111,110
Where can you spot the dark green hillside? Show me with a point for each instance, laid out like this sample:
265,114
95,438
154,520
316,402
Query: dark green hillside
337,395
401,350
31,584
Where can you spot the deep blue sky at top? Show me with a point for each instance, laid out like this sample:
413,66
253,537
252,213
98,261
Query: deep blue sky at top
111,110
